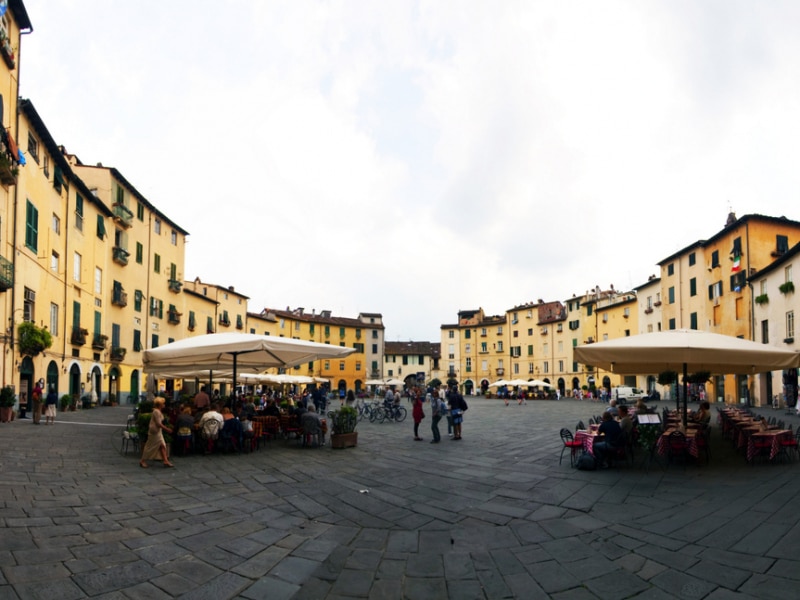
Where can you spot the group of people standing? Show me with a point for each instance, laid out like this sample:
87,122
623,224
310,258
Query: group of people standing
37,410
450,405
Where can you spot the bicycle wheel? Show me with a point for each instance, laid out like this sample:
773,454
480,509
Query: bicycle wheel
376,415
361,412
400,414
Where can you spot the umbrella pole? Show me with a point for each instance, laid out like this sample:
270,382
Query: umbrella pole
233,393
685,394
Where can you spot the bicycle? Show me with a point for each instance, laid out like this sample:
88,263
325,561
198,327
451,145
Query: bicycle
394,413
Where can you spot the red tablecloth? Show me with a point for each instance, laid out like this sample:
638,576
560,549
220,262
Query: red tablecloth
691,443
587,439
771,437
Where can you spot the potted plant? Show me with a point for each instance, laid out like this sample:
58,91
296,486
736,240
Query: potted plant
786,288
66,401
7,400
343,428
762,299
33,339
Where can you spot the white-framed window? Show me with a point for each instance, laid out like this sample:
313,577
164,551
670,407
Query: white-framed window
53,318
54,262
546,367
762,287
790,324
787,272
500,346
76,267
530,368
56,224
98,280
157,225
500,330
467,349
173,237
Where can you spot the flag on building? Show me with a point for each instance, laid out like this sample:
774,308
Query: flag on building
737,264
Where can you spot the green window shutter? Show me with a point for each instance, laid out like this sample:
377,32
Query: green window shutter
115,333
160,309
173,271
192,321
101,227
209,325
78,205
140,211
76,314
98,317
31,226
139,253
157,263
137,340
137,300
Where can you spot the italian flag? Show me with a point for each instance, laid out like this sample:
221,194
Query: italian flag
737,264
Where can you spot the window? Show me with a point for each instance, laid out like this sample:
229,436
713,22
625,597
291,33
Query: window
115,335
54,262
173,237
468,365
672,323
467,349
154,340
467,334
76,267
500,330
626,312
374,348
101,227
53,319
530,349
341,365
693,286
715,290
499,346
157,263
56,224
715,259
692,259
358,365
139,253
156,307
33,147
137,300
78,212
605,317
787,273
29,305
693,321
762,287
157,225
137,340
31,226
781,244
484,347
515,334
765,331
483,331
209,325
737,281
671,269
341,332
671,295
375,334
140,211
76,314
98,280
790,324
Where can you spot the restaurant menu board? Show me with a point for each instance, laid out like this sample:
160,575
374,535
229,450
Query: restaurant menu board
648,418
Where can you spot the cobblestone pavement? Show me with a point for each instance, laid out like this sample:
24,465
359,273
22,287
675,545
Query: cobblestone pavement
491,516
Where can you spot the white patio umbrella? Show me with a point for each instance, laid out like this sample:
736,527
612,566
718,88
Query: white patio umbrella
684,350
394,382
538,382
500,383
233,351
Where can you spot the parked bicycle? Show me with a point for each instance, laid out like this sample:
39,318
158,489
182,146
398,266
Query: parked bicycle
394,412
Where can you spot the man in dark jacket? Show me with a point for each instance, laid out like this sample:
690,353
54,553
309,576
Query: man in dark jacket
612,438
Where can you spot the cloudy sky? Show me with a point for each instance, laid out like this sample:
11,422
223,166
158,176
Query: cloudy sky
419,158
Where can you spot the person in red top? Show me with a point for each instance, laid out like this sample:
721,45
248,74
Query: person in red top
418,414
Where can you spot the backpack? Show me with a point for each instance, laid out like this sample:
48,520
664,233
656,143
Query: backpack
586,462
211,429
464,406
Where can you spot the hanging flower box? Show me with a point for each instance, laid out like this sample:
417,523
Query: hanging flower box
786,288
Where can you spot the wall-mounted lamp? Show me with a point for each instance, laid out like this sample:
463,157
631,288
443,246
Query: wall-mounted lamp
89,376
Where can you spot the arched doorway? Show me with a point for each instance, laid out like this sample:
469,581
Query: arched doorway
113,385
342,389
96,386
134,395
359,384
562,386
576,384
468,385
76,386
484,386
651,384
26,373
52,377
607,383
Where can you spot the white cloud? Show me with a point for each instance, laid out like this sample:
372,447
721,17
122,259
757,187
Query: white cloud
417,158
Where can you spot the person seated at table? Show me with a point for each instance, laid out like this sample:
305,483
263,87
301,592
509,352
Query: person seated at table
612,438
642,408
272,409
207,431
612,407
703,414
625,421
227,414
311,423
184,426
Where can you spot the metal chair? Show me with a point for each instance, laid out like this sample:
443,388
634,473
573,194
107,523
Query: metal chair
569,442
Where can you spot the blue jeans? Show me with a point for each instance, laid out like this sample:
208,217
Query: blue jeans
435,427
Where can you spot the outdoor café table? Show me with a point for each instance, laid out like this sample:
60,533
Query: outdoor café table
771,436
691,442
586,438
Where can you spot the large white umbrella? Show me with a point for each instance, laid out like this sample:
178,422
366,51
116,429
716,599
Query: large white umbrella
232,351
394,382
537,382
682,350
500,383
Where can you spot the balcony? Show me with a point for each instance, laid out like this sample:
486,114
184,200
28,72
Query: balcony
120,255
117,354
224,321
7,51
9,168
99,341
175,285
122,215
119,298
6,274
174,317
239,322
78,337
648,311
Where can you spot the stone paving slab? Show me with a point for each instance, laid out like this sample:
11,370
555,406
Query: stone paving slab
491,516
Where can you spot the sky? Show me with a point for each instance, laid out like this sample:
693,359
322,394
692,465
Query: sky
419,158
